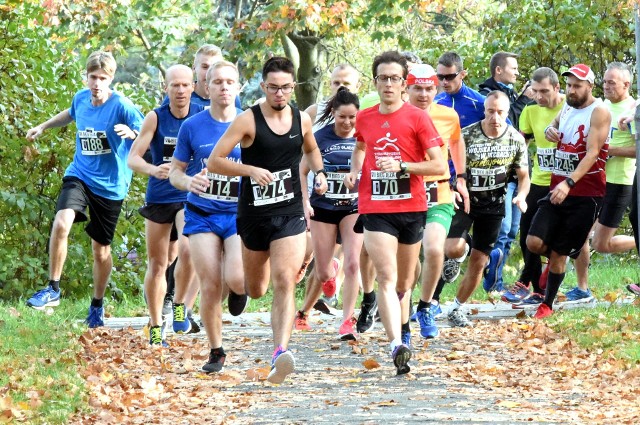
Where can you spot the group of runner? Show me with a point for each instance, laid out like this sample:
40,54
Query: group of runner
415,173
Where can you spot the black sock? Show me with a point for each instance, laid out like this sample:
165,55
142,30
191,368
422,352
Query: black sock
422,304
439,288
553,285
96,302
171,281
369,297
219,351
55,284
406,327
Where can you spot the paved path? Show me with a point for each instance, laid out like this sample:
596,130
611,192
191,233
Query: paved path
503,371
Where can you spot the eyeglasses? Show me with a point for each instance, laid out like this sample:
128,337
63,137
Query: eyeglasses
274,89
389,79
448,77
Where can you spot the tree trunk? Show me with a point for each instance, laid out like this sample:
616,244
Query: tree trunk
310,56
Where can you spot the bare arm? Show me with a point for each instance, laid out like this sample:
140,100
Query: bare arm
458,151
436,165
312,153
524,184
135,161
196,184
626,152
59,120
312,111
551,133
357,159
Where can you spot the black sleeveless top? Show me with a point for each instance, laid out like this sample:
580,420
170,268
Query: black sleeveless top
280,154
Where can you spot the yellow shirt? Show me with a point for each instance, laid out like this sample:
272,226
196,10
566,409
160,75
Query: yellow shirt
447,123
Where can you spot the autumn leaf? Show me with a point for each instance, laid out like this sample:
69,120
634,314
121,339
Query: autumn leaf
612,297
370,364
257,374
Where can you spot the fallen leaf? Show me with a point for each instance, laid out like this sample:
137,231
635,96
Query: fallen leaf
257,374
370,364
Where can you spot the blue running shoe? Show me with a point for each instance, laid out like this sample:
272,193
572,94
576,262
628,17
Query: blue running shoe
517,293
491,277
436,310
181,322
532,300
401,356
47,297
428,328
282,364
577,294
95,319
406,338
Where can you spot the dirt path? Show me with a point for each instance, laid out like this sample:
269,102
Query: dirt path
499,372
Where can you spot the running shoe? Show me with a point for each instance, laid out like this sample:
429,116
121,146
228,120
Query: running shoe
367,317
458,318
95,318
543,311
47,297
181,322
156,336
195,328
329,287
542,283
282,364
427,321
517,293
405,336
167,306
634,289
346,331
401,356
491,271
577,294
301,322
216,361
436,310
450,270
532,300
237,303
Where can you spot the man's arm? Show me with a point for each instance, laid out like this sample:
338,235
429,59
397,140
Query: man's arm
178,177
524,184
458,152
312,111
434,166
59,120
626,152
135,161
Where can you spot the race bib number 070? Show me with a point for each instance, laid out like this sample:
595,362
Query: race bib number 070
279,190
388,186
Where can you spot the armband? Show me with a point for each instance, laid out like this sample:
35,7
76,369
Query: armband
461,176
321,171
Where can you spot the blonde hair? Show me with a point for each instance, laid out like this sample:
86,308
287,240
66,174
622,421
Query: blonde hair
207,50
101,60
221,64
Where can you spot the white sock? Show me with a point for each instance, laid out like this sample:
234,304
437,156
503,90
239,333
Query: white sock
395,343
456,304
435,302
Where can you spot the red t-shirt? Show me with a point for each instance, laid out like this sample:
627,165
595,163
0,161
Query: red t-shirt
403,135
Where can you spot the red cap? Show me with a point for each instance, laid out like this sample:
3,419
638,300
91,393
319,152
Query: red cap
581,72
422,74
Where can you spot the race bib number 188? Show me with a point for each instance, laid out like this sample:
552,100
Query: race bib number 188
279,190
94,142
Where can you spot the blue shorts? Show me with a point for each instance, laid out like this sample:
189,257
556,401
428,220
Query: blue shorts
221,224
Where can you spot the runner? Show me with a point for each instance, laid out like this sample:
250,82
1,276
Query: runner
565,217
210,211
393,139
97,178
422,88
273,136
163,203
494,149
335,211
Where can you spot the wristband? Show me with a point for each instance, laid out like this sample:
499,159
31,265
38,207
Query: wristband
547,128
461,176
321,171
570,182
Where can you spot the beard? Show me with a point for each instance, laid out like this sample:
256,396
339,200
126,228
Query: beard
577,102
278,107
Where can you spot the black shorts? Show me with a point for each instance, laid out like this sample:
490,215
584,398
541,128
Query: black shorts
564,228
103,212
358,227
324,215
408,227
486,228
615,204
257,233
163,214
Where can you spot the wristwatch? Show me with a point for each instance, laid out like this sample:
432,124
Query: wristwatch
570,182
403,167
321,171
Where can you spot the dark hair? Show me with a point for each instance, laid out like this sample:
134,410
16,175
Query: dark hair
412,57
342,97
450,59
499,59
278,64
540,74
390,56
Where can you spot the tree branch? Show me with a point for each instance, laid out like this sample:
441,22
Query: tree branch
147,46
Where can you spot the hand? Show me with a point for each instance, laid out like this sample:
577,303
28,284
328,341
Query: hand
34,133
320,184
461,188
388,164
521,203
623,123
552,134
261,176
350,180
199,183
161,172
559,193
308,213
124,131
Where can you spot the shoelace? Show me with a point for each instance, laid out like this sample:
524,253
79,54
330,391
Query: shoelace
156,336
179,313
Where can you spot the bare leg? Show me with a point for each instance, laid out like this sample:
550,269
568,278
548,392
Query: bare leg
102,265
155,283
59,241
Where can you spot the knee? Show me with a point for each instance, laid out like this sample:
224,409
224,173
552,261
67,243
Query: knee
157,266
435,251
102,254
599,244
535,245
60,228
351,267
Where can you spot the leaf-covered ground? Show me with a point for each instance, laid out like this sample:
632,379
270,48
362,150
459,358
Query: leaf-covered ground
507,371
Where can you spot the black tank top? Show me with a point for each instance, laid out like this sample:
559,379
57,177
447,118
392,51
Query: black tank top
280,154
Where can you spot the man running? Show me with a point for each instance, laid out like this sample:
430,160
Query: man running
98,178
273,136
392,141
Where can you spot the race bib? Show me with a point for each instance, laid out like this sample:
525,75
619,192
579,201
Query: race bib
431,189
388,186
566,163
336,188
168,148
279,190
485,179
222,188
546,158
94,142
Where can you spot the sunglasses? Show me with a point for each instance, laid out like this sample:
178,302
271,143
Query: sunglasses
448,77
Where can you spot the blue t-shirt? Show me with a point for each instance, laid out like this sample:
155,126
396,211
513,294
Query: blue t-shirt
100,160
160,191
199,100
196,139
336,159
468,103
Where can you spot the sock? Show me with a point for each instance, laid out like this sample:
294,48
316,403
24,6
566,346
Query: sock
219,351
96,302
456,304
553,285
434,302
422,304
171,281
395,343
406,327
369,297
55,284
439,288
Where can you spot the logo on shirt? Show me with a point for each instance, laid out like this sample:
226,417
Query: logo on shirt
385,125
387,143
